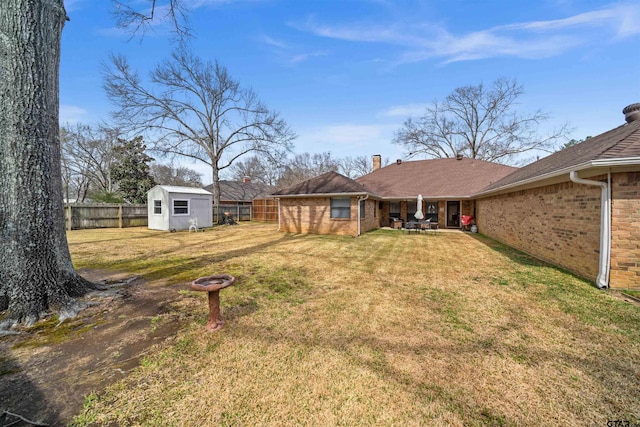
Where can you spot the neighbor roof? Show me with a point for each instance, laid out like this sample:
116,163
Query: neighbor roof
328,183
239,191
435,178
621,142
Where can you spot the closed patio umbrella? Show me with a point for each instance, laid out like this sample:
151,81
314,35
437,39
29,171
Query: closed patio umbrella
419,215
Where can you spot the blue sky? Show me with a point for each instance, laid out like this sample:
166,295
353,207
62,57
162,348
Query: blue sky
345,74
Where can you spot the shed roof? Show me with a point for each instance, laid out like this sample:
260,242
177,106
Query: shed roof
328,183
434,178
621,142
187,190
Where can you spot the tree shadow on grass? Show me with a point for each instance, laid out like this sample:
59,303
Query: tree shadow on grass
606,371
156,268
18,394
513,254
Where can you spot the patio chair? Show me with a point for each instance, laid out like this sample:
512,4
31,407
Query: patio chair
412,226
193,224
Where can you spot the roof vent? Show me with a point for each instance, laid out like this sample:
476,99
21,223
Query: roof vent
459,156
399,162
631,112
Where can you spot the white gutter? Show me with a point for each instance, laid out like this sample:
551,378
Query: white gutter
605,226
360,198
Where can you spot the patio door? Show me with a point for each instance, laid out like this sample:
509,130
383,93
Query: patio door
453,213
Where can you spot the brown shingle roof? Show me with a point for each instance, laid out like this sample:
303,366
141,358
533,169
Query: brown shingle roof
623,141
238,191
328,183
434,178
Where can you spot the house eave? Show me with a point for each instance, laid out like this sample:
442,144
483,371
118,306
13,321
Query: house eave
298,196
591,164
425,197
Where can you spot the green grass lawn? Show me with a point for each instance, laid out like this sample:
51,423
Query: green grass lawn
385,329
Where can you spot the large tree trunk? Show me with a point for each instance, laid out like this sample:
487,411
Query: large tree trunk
215,176
36,273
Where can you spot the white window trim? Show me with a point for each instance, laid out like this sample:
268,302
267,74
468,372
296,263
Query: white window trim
173,207
154,207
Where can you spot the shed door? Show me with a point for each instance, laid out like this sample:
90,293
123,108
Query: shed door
203,210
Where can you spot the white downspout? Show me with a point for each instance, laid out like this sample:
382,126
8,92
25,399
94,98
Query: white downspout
278,199
360,198
605,227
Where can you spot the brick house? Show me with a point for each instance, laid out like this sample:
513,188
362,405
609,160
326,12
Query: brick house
578,208
334,204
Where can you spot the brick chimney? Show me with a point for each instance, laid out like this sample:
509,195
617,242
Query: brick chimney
246,179
377,161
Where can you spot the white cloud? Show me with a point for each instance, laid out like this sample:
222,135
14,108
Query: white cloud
72,114
305,56
287,52
404,111
273,42
349,139
535,39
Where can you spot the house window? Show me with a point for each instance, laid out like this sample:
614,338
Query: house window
412,208
340,207
362,205
157,207
394,209
181,207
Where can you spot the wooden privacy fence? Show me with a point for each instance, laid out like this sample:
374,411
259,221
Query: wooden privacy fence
96,215
238,212
81,215
265,210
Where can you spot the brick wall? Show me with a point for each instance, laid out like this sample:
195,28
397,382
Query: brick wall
313,215
625,230
558,223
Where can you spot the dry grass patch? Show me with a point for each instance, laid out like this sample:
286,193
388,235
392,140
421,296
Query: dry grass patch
386,329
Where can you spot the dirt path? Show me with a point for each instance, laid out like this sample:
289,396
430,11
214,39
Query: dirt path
46,372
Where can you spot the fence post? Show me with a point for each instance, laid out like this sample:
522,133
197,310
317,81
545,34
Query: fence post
119,216
69,216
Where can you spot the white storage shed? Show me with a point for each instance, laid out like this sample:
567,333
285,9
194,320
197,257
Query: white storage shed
176,208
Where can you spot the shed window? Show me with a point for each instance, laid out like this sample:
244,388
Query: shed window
181,207
340,207
157,207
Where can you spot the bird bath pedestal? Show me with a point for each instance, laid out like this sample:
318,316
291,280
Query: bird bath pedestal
213,285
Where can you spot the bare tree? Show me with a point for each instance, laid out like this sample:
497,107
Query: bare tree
480,123
36,273
304,166
355,167
196,110
87,157
265,169
140,17
175,175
